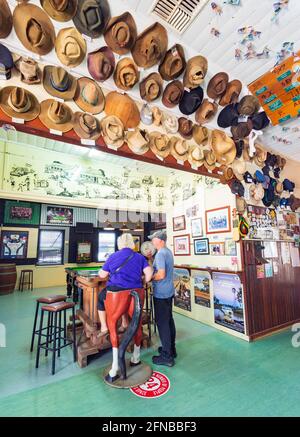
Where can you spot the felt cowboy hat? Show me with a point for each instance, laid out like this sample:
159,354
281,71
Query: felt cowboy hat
6,62
217,85
60,10
280,162
232,93
294,203
241,205
185,128
172,94
146,114
6,20
150,46
260,121
126,74
34,28
179,148
195,72
191,100
206,111
236,187
223,147
19,103
229,116
170,123
279,188
159,144
123,107
101,63
112,131
70,47
241,130
260,155
225,173
239,168
151,87
138,141
56,115
59,83
249,105
157,116
89,96
91,17
196,156
29,70
209,160
239,145
173,64
86,126
200,135
120,34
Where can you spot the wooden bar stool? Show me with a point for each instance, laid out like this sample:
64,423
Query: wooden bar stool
56,338
53,298
23,281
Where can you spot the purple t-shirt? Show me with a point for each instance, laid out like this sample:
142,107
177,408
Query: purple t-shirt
130,276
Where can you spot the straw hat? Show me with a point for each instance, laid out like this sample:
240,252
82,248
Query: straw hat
151,87
209,160
206,111
239,169
150,46
70,47
217,85
232,93
19,103
34,28
120,34
157,116
196,156
89,96
223,147
200,135
6,20
56,115
173,64
29,70
60,10
112,131
172,94
126,74
86,126
123,107
185,128
225,174
170,123
195,72
92,17
260,155
257,192
101,63
138,141
59,83
179,148
159,144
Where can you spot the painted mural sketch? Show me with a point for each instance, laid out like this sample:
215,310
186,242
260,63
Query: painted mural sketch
185,188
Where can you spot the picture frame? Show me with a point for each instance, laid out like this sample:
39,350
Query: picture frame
59,216
230,248
197,227
84,252
14,244
181,245
217,248
179,223
218,220
201,246
137,242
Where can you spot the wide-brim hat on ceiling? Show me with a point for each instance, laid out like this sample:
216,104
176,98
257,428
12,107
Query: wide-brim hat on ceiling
236,187
173,64
225,173
241,130
151,87
200,135
126,74
229,116
196,156
172,94
112,130
70,47
17,102
157,116
232,93
206,111
86,126
56,115
138,141
179,148
6,59
101,63
29,70
260,121
185,128
217,85
150,46
60,10
223,147
256,193
146,114
121,33
249,105
6,20
159,144
239,169
239,145
89,96
58,82
260,155
209,160
34,28
92,17
196,70
170,123
191,100
241,205
123,107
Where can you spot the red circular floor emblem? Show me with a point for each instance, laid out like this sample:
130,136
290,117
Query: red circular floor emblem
158,385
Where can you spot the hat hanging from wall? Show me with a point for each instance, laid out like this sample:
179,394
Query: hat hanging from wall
112,130
59,83
86,126
173,64
229,116
29,70
209,160
6,20
126,74
123,107
70,47
196,70
191,100
101,63
239,168
185,128
60,10
6,63
34,28
89,96
146,115
179,148
159,144
249,106
121,33
260,121
172,94
241,205
223,147
239,145
236,187
150,46
56,115
196,156
92,17
241,130
157,116
151,87
17,102
200,135
232,93
217,85
206,111
138,141
256,192
225,173
260,156
170,123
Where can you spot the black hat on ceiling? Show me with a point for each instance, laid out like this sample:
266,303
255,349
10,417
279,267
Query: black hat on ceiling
237,188
239,145
260,121
191,101
266,170
229,116
276,172
271,160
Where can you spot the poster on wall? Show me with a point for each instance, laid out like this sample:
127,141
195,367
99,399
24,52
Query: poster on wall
228,301
182,285
59,216
84,252
218,220
21,213
202,289
13,244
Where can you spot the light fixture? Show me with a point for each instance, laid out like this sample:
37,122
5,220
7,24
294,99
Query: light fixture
108,226
139,227
124,227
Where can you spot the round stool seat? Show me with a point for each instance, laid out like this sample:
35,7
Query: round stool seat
52,298
58,306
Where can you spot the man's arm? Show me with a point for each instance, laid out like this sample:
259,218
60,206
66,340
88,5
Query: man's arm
148,272
159,275
160,266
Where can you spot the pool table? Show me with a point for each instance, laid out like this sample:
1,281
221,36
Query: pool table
73,272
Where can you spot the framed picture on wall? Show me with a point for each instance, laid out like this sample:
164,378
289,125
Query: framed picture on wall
21,213
84,252
181,245
217,249
137,242
14,244
59,216
230,248
196,227
218,220
179,223
201,246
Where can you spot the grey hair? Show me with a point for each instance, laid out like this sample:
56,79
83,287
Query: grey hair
126,240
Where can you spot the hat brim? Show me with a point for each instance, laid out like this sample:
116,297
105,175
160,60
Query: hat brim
66,95
129,20
61,16
62,127
7,21
61,36
82,28
27,116
84,106
155,29
80,132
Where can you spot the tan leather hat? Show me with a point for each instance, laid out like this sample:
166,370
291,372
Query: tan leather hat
217,85
157,116
29,70
179,148
185,128
60,10
17,102
172,94
195,72
112,131
123,107
138,141
159,144
89,96
151,87
59,83
260,155
120,34
150,46
173,64
223,147
86,126
6,20
239,168
209,160
196,156
206,112
126,74
200,135
70,47
232,93
56,115
225,174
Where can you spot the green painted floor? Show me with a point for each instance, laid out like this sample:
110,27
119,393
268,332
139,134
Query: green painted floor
215,375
